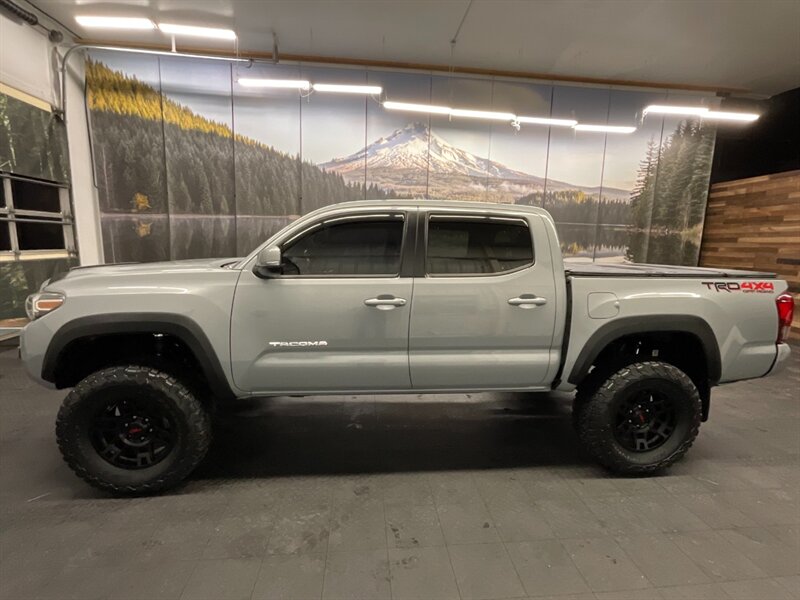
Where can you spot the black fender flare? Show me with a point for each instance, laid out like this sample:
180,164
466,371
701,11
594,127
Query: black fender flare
179,326
618,328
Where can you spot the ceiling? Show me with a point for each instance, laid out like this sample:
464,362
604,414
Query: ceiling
748,45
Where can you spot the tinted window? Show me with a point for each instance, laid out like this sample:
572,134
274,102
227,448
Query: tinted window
5,238
473,247
40,236
362,247
29,195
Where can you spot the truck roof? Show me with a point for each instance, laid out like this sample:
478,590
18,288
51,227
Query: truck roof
434,203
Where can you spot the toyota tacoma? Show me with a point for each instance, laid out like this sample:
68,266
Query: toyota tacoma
391,297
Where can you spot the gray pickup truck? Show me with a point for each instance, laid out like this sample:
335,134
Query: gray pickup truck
392,297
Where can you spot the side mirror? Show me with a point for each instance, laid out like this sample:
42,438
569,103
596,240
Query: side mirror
268,262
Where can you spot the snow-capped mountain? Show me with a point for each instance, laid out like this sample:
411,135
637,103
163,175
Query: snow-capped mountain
416,147
414,157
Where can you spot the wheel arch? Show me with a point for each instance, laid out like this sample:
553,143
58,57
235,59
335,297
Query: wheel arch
619,329
180,327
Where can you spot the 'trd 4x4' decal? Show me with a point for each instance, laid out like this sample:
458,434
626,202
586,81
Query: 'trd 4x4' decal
759,287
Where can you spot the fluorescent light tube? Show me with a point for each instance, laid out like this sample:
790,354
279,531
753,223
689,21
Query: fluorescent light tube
663,109
170,53
423,108
347,89
297,84
115,22
605,128
193,31
482,114
545,121
701,111
730,116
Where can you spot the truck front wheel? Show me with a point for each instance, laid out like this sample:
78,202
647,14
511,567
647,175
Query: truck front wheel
132,430
641,419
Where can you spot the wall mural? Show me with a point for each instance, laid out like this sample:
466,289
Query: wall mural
191,164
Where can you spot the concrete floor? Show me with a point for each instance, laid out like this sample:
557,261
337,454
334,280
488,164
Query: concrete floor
476,496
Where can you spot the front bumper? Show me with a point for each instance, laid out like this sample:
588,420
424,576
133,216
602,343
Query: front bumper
31,359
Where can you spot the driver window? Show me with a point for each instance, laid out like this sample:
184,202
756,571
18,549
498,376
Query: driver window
358,247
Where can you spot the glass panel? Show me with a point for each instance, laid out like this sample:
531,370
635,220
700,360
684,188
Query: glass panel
33,142
357,248
470,247
5,238
251,232
519,157
629,174
129,238
123,93
459,165
29,195
40,236
334,137
681,186
2,193
575,167
198,136
266,154
197,236
397,142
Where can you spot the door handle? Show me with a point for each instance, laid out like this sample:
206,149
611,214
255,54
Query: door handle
385,302
527,301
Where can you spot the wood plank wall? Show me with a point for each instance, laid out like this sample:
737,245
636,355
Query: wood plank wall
755,224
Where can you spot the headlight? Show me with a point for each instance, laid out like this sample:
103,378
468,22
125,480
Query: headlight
41,303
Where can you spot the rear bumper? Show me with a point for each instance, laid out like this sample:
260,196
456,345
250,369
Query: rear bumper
781,359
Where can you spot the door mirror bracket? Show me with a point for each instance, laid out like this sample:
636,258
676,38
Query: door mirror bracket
269,263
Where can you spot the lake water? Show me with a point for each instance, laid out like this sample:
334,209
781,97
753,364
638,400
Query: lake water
139,237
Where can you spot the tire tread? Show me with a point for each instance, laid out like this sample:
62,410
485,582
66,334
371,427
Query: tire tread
597,437
197,418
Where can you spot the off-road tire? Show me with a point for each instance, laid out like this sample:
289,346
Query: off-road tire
594,414
193,427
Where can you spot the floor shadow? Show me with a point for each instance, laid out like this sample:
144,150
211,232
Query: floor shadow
313,436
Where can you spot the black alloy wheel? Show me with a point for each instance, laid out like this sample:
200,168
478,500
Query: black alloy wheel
645,420
640,419
133,432
132,429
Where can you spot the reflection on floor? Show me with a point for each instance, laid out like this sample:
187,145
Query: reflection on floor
462,496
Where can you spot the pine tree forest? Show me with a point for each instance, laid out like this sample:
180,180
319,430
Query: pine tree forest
668,203
156,157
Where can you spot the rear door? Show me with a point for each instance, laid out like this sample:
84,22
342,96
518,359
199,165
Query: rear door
483,314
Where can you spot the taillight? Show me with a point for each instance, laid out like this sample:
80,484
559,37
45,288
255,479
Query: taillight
785,306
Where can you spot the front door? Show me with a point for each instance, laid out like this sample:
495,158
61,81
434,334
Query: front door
336,319
484,312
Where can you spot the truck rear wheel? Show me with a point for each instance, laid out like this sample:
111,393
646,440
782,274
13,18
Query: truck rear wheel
132,430
641,419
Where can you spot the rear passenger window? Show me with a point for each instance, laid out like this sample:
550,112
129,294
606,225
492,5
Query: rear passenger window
480,246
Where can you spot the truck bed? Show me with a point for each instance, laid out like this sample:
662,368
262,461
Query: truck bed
645,270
